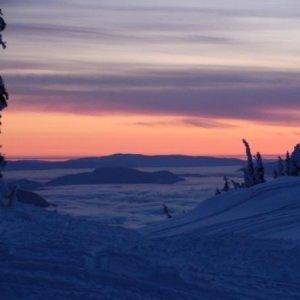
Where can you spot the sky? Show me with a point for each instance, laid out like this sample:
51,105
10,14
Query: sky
97,77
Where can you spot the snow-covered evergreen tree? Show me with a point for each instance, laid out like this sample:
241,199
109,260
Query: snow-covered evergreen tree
3,95
295,161
253,173
3,92
280,167
2,22
226,187
236,185
7,195
249,169
288,164
259,171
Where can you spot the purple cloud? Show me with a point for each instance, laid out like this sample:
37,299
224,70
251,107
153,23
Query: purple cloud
238,94
97,57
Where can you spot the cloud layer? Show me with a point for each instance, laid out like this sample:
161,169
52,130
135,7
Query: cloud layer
207,60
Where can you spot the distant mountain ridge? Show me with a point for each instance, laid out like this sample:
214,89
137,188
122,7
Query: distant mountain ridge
126,160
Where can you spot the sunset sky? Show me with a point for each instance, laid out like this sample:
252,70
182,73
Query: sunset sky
97,77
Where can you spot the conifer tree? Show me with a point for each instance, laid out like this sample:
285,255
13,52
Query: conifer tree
226,187
280,167
295,161
253,173
236,184
259,169
8,195
3,92
288,164
249,169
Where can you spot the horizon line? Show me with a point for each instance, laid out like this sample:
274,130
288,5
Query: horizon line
61,157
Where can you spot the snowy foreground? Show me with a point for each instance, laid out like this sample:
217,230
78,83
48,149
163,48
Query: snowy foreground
244,244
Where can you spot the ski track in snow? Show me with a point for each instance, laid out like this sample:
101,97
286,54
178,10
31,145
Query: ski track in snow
244,244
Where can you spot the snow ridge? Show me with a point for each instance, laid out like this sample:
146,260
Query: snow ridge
270,210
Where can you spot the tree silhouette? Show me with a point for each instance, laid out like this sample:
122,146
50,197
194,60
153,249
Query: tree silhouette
3,92
253,173
249,169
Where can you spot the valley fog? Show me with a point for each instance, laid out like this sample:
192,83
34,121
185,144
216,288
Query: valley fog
130,205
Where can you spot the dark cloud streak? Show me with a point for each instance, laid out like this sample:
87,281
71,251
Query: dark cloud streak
247,95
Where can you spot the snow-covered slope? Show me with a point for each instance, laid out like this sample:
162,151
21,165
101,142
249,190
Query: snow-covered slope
222,250
270,210
45,256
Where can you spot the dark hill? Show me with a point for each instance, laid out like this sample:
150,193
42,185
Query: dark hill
117,175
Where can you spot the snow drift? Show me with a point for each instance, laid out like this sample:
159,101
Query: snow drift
270,210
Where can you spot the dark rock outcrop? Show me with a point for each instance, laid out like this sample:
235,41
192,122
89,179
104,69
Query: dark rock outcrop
28,197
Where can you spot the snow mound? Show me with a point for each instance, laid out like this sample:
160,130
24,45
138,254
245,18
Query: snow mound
211,253
270,210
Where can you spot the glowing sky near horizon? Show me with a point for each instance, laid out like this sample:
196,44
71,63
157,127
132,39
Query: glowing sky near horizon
196,76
